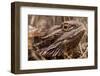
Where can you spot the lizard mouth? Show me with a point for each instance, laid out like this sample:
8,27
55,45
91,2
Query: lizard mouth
71,38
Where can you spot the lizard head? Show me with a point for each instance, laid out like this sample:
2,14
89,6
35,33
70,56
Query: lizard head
72,33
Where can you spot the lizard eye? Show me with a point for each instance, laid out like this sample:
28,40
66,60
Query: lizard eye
65,27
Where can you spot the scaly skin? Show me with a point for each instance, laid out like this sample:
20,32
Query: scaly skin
59,38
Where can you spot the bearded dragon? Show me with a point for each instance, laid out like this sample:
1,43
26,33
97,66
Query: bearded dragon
58,39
